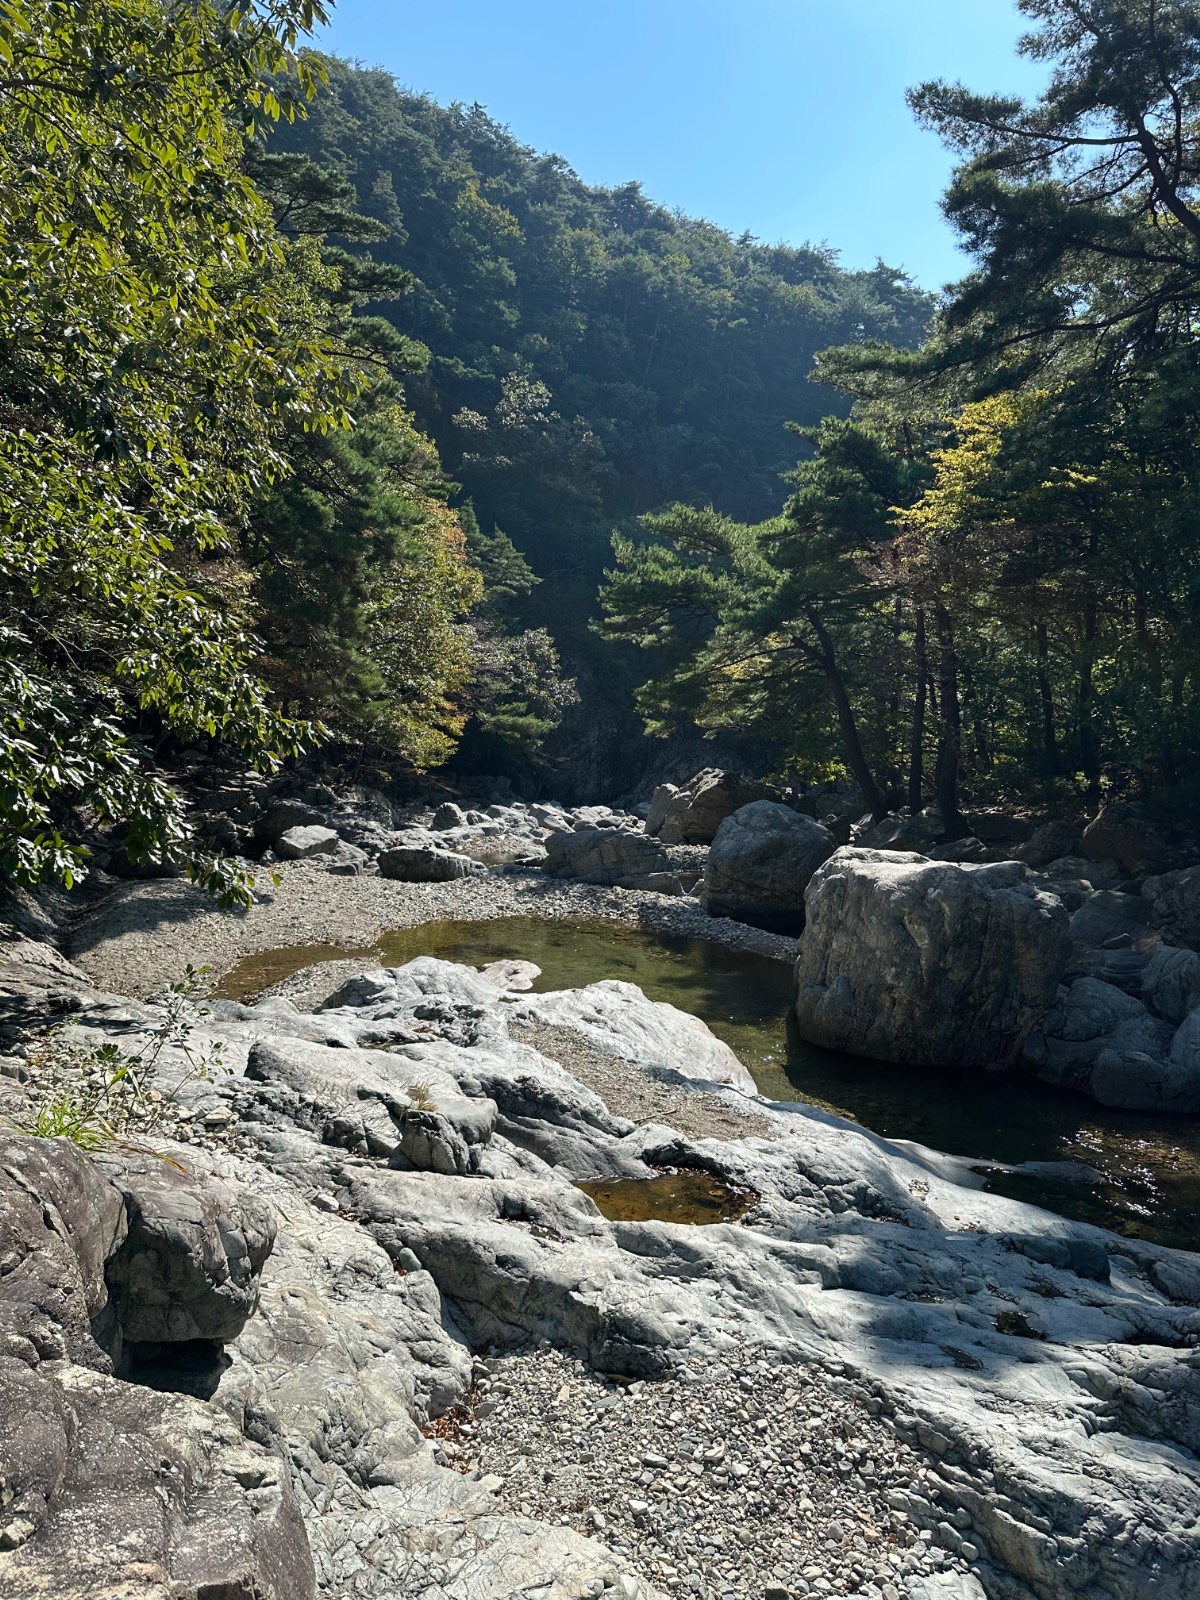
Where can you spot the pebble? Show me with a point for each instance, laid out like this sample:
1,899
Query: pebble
719,1511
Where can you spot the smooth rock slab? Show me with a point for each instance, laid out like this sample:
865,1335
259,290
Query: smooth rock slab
908,960
617,1018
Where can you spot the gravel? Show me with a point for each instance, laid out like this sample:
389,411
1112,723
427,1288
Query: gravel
750,1475
140,931
638,1096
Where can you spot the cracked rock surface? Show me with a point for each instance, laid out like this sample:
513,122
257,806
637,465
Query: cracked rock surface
442,1321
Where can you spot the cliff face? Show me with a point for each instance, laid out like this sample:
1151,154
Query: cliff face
246,1362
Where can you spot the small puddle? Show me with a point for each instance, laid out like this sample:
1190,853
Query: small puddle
693,1197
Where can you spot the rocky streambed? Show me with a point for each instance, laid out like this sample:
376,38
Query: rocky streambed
354,1329
413,1277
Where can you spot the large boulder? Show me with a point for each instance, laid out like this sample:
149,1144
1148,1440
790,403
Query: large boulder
619,857
189,1265
919,833
1107,916
1170,983
1051,842
311,839
692,814
421,863
909,960
1100,1041
760,863
448,816
1128,835
281,815
1174,901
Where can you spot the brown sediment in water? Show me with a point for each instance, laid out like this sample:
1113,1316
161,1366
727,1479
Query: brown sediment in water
696,1198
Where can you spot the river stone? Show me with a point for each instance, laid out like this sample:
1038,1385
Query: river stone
692,814
1174,900
297,844
512,975
908,960
620,857
760,863
345,861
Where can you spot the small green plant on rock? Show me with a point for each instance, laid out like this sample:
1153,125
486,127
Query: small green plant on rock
98,1094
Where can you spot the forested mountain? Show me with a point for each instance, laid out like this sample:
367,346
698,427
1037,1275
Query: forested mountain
592,356
325,430
987,582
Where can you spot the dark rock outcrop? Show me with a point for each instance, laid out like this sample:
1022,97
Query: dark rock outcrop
109,1487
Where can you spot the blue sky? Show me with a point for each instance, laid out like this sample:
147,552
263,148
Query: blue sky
785,118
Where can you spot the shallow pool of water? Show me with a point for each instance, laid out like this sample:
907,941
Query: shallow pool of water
1147,1168
692,1197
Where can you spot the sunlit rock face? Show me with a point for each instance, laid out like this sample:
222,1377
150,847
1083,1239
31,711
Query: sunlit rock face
909,960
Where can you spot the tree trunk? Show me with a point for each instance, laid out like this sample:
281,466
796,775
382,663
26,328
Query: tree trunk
950,743
1089,751
916,755
856,756
1046,697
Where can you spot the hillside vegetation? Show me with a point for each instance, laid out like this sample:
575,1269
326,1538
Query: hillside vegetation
331,416
591,355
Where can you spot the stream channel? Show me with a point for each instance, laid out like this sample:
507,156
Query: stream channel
1137,1174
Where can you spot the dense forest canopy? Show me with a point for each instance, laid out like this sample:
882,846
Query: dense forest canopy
217,521
592,356
988,580
324,410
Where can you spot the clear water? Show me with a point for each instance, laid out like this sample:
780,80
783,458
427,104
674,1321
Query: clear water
1147,1168
692,1197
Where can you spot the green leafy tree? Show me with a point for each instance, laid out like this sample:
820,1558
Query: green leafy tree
785,628
155,352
